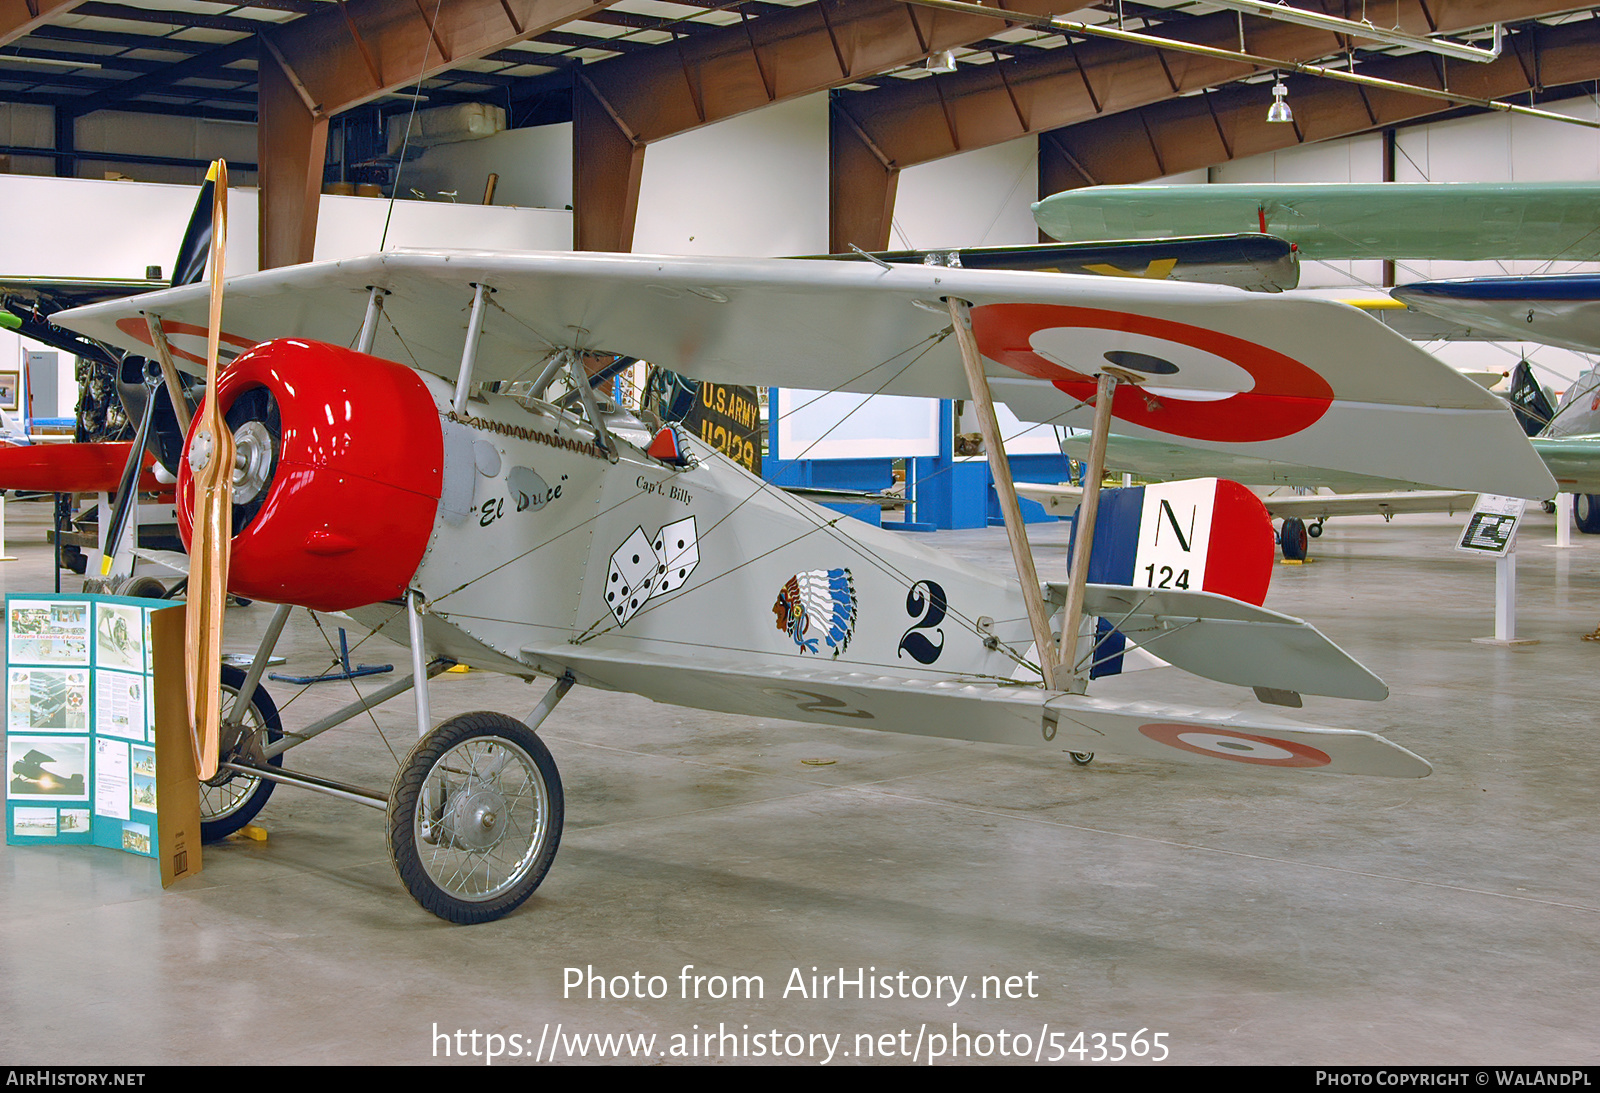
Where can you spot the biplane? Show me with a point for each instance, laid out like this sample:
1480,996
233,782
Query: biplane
410,438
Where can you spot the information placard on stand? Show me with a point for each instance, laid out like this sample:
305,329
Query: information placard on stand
86,762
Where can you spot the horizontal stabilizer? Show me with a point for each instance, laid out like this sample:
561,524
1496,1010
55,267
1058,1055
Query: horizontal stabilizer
985,712
1217,637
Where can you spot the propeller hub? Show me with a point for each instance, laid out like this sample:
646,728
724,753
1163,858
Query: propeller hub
253,461
201,449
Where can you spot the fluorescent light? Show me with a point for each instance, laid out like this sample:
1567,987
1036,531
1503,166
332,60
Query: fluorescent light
50,61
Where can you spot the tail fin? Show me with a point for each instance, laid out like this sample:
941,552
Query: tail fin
1528,400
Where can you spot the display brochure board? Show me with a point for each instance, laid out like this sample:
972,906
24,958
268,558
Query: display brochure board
1492,527
88,755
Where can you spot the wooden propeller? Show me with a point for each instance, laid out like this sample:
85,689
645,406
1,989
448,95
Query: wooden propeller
211,466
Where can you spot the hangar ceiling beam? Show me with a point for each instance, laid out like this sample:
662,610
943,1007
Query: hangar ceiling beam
979,106
19,18
210,65
861,187
349,53
716,75
1202,131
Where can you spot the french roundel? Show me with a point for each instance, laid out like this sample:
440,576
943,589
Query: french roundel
1194,382
1240,747
187,341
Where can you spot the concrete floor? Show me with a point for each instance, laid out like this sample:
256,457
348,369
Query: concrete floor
1247,917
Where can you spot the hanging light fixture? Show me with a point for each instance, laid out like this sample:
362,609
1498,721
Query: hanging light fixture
942,62
1279,112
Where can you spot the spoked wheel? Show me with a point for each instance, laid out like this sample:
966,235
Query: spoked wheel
229,801
475,817
1082,758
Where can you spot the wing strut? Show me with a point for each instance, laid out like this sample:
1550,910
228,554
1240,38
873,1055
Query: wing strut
469,351
1083,523
1005,489
369,322
169,370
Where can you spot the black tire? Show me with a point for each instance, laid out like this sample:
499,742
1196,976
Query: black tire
229,801
1586,512
1292,539
476,846
1315,530
1082,758
146,588
74,559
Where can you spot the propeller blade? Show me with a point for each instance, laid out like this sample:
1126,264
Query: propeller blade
128,488
190,265
211,461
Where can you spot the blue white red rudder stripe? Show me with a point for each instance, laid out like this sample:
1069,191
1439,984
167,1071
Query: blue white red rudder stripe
1201,535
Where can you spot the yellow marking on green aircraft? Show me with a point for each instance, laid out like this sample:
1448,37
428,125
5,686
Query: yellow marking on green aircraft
1158,270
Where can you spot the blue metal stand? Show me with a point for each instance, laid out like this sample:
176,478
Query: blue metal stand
346,672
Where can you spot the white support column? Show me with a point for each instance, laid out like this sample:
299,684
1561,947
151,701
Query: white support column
1505,603
4,557
1564,519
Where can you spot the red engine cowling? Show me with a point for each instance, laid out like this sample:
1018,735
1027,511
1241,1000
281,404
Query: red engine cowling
343,461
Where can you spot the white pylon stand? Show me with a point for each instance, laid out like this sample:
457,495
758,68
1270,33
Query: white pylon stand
4,557
1564,519
1505,603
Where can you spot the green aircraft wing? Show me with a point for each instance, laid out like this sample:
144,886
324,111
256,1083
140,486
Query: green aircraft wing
1465,221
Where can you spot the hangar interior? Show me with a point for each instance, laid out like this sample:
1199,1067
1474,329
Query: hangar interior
1248,918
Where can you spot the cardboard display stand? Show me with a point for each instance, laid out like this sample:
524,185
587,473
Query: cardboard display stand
97,737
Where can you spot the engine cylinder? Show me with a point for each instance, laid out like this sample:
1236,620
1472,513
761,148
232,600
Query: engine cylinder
338,475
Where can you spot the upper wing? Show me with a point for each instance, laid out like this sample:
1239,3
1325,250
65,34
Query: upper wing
1303,381
1260,263
1554,309
1335,220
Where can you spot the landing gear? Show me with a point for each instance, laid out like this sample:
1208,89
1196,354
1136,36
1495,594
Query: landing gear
475,817
1315,530
1586,512
230,800
1292,539
1082,758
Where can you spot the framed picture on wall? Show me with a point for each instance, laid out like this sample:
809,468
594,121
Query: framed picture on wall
10,388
